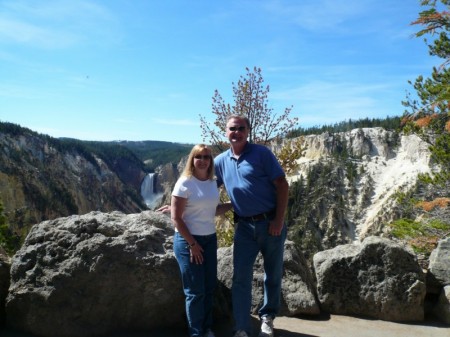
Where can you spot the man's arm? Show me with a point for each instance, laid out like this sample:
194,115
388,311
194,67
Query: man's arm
282,191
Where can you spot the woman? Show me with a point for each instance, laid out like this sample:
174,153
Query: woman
194,204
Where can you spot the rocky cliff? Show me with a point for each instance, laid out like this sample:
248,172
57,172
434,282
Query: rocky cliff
347,183
44,178
345,188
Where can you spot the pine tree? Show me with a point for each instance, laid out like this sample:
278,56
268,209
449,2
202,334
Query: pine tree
429,115
7,241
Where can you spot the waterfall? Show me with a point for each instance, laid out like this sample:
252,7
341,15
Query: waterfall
148,193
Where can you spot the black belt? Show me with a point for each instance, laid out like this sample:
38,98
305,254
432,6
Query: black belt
258,217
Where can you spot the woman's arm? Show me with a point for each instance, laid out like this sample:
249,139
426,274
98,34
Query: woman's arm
177,207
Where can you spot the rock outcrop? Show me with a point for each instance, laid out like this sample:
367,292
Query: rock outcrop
45,178
439,268
166,177
379,164
346,185
376,278
99,273
94,274
438,278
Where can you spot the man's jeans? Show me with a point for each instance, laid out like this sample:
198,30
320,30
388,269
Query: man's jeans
199,281
251,238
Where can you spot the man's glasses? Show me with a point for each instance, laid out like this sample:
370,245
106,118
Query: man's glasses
204,157
237,128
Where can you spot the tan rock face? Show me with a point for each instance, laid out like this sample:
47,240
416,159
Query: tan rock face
43,178
385,163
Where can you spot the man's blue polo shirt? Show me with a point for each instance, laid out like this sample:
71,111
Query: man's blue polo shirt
249,179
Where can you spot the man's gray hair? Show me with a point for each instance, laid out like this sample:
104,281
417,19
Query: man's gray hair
242,117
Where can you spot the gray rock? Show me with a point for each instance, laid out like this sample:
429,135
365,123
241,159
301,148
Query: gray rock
298,289
442,309
438,274
98,273
93,274
377,278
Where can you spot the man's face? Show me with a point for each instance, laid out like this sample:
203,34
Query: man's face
237,131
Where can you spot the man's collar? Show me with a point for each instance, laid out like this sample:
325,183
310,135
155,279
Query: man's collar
244,150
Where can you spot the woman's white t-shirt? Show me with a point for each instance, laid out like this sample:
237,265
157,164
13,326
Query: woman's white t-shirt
202,200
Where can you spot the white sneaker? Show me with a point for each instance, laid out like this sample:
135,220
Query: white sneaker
240,333
266,327
209,333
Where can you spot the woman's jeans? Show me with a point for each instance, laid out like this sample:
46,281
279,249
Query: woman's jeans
251,238
199,281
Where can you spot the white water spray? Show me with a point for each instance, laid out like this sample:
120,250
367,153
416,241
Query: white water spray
151,198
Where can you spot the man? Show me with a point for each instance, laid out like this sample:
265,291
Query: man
258,190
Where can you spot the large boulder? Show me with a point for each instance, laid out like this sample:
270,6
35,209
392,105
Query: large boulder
376,278
298,288
93,274
438,279
438,275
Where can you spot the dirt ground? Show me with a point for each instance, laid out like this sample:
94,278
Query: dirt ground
330,326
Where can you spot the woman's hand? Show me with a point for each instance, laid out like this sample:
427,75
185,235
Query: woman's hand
196,252
164,209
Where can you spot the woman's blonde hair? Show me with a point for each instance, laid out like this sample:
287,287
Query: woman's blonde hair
189,168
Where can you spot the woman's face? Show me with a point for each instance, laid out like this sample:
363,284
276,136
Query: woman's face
202,160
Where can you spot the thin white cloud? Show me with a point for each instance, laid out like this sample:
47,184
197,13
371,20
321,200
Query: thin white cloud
16,91
317,14
58,11
124,121
54,24
30,34
322,102
186,122
320,90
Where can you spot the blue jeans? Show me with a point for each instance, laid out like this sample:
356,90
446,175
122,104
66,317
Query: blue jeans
251,238
199,281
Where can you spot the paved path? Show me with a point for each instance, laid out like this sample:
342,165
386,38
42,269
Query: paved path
332,326
344,326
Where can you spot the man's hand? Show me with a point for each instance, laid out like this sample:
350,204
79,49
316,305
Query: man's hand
275,228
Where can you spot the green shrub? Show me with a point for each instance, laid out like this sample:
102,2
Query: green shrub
8,241
421,236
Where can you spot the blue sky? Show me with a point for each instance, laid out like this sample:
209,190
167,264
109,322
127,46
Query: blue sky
146,69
